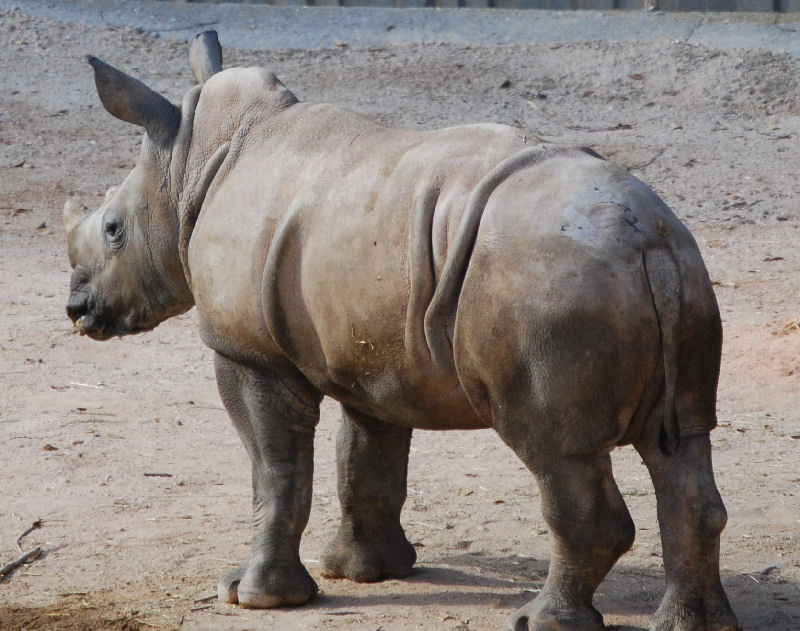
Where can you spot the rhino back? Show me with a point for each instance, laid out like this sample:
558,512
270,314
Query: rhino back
303,249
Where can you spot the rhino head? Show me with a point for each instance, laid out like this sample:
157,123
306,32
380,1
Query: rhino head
127,276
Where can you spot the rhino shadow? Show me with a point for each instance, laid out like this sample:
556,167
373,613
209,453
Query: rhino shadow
762,601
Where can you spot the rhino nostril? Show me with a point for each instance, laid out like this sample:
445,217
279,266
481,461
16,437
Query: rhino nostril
77,305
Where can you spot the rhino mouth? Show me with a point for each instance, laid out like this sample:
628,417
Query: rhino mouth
86,322
92,327
98,321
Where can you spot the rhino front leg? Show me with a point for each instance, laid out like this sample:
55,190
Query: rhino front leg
691,516
275,417
372,464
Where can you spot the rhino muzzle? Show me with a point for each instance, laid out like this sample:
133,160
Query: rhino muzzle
88,325
85,323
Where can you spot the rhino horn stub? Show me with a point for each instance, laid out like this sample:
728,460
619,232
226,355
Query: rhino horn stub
132,101
73,214
205,56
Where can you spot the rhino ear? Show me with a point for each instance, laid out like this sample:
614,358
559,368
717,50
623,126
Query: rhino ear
133,102
205,56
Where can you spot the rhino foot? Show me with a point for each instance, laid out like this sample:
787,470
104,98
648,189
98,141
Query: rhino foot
260,586
549,612
228,586
681,614
369,560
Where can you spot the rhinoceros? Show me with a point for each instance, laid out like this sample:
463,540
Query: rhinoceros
461,278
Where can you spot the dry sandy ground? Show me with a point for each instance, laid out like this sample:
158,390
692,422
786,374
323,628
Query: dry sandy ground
83,425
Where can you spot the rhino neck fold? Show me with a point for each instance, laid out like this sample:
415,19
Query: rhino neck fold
178,162
191,203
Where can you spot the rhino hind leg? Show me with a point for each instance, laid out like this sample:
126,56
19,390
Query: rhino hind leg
691,517
590,529
275,418
372,465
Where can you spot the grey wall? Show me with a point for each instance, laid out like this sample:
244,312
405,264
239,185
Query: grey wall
663,5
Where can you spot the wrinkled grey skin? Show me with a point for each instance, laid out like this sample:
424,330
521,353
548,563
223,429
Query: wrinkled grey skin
453,279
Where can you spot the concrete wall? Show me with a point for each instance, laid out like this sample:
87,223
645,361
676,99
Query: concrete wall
662,5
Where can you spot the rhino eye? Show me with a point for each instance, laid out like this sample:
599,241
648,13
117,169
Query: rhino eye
113,232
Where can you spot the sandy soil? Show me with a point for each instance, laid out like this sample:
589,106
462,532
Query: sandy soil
85,426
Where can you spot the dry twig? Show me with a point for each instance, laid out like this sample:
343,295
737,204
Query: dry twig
6,570
34,526
201,607
647,163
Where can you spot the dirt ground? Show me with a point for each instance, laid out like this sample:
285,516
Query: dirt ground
122,449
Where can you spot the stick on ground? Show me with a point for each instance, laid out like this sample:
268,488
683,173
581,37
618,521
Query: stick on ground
37,524
6,570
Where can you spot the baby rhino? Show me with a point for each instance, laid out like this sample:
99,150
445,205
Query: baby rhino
461,278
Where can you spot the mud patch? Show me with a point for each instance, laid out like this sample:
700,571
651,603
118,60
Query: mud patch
67,618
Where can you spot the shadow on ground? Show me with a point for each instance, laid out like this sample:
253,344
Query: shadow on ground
627,599
761,601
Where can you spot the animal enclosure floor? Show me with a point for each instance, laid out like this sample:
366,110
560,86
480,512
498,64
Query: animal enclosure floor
123,450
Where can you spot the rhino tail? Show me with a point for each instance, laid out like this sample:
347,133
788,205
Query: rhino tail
664,280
